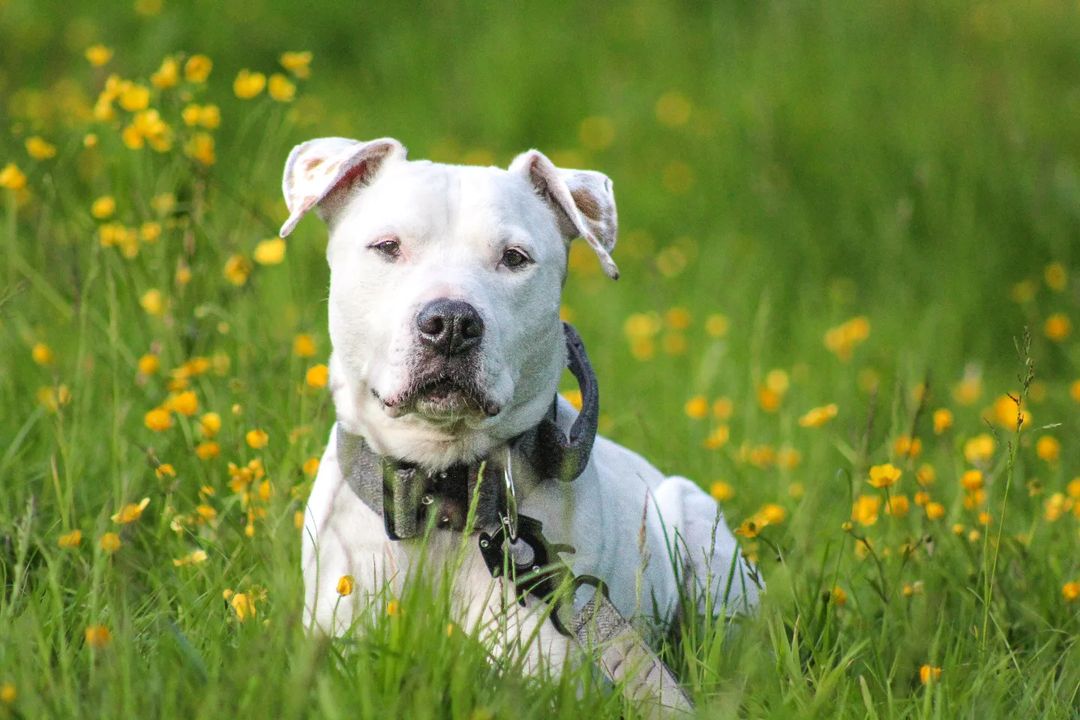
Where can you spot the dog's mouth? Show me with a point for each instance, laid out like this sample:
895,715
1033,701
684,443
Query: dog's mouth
441,397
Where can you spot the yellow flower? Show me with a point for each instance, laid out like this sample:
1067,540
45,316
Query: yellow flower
39,149
897,506
972,480
928,674
771,514
844,338
12,178
110,542
906,446
768,399
207,450
317,376
158,420
1071,591
270,252
134,97
201,149
257,438
934,510
243,604
304,346
345,585
8,694
149,364
281,88
943,420
788,458
237,268
130,512
697,407
163,203
297,62
1057,327
865,509
819,416
42,354
103,207
153,302
979,449
311,466
722,408
165,470
98,636
1073,488
393,608
721,491
1006,413
673,109
572,396
1055,276
168,75
192,558
70,539
596,132
883,476
185,403
198,68
838,596
210,424
98,55
1048,448
54,398
716,325
748,529
248,84
718,438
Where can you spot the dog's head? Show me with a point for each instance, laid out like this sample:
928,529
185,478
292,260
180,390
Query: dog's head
445,284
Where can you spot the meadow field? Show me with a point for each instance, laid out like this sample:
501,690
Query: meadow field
850,275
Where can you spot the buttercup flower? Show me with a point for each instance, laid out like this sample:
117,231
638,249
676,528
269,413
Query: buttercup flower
98,55
721,491
298,63
248,84
943,420
345,585
39,149
697,407
42,354
131,512
928,674
317,376
110,542
98,636
270,252
1057,327
70,539
819,416
280,88
197,68
883,476
257,438
168,75
12,178
158,420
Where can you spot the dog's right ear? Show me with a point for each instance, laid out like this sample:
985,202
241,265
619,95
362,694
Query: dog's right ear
318,172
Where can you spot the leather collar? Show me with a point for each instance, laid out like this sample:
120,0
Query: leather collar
409,497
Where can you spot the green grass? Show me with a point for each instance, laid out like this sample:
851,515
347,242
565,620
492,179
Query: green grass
910,162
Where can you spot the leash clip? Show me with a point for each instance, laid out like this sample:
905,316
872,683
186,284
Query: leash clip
509,517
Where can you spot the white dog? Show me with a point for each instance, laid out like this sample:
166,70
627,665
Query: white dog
445,288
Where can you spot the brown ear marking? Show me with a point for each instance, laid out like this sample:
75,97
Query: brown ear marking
587,204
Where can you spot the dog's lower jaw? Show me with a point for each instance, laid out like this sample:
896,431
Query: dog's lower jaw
433,445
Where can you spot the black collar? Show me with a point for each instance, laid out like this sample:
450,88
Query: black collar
406,495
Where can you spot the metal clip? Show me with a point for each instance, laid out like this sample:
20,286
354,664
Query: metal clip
510,516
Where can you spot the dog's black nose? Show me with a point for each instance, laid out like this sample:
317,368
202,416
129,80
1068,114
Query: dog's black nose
449,327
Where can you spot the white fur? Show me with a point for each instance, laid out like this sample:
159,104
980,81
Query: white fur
622,516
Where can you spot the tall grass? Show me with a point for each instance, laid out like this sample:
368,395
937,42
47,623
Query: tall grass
904,171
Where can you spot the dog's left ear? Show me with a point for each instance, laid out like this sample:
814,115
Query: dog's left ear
319,172
583,202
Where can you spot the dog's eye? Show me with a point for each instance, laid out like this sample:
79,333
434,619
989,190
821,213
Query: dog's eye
388,247
514,258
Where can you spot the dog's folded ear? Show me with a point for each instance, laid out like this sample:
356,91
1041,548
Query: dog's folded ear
583,202
319,173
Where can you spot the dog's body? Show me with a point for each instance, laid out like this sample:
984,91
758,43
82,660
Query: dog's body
444,317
